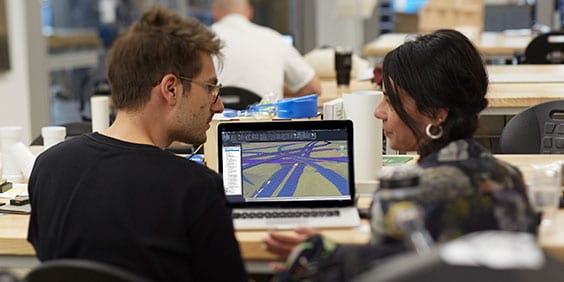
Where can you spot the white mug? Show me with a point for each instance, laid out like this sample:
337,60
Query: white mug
53,135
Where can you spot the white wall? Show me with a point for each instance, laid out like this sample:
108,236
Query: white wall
24,89
335,29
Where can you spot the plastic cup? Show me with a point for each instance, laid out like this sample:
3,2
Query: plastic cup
343,66
544,195
53,135
10,135
544,190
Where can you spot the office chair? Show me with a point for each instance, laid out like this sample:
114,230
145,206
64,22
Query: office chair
547,48
67,270
433,266
412,267
238,98
73,129
537,130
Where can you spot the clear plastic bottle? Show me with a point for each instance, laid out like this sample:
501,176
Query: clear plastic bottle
395,211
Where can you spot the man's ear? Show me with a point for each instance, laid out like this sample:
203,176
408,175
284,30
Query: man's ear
217,14
250,13
169,88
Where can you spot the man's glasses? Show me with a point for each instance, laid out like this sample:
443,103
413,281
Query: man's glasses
213,89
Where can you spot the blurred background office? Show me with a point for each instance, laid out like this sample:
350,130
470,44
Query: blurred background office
56,47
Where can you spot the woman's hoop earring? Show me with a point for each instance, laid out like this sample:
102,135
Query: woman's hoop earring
438,128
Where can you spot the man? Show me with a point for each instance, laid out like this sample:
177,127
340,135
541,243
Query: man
257,58
117,196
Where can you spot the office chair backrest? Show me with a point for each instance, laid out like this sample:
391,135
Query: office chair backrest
238,98
67,270
412,267
537,130
546,48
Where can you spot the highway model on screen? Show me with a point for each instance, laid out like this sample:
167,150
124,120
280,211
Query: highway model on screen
312,168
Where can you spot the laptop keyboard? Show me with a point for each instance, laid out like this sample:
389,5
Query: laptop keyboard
286,214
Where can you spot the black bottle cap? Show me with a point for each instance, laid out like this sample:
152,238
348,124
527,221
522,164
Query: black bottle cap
399,183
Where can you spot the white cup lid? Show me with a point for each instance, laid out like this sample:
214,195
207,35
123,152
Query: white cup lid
53,132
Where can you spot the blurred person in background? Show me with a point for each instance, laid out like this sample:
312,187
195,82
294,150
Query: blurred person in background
258,58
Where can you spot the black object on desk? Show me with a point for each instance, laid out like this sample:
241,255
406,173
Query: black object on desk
20,201
5,185
22,209
364,213
238,98
343,65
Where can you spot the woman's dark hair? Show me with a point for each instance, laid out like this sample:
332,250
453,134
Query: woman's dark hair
438,70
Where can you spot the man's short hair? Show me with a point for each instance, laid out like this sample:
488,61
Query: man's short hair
160,43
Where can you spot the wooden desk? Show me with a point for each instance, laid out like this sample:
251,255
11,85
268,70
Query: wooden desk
491,44
257,260
512,98
15,251
552,240
526,73
526,163
513,88
503,98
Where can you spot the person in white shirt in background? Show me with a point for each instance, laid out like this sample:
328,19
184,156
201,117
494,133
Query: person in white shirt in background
258,58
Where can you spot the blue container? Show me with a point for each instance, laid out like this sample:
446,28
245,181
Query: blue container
197,158
301,107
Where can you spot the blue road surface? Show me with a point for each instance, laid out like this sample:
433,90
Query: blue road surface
288,163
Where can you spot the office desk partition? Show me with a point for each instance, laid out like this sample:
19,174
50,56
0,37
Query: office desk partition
15,251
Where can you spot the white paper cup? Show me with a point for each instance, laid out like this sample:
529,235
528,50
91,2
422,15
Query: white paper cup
53,135
100,110
10,135
23,158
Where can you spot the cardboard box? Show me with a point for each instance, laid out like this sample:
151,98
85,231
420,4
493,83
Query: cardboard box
467,15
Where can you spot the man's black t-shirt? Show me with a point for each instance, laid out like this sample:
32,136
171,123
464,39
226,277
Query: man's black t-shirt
134,206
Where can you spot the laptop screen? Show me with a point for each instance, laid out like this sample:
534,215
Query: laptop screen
287,163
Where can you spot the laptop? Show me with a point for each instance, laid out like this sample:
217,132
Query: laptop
288,174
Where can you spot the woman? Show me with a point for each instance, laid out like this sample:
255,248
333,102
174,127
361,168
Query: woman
434,89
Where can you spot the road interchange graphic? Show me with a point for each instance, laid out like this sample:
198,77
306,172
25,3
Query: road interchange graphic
301,168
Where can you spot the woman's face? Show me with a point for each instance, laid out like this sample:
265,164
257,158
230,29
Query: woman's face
400,137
